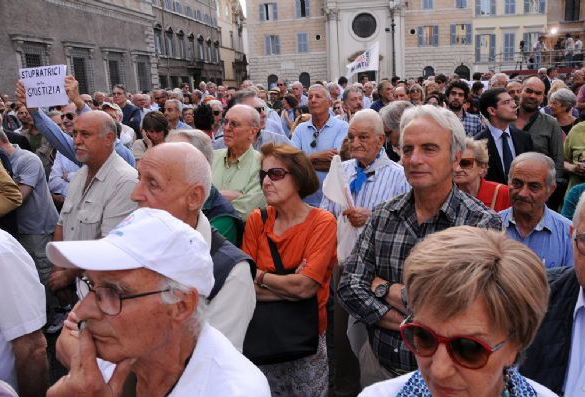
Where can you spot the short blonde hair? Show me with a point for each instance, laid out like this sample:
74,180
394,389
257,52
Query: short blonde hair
449,270
479,148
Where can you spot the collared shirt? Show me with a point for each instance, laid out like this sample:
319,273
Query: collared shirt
91,212
471,123
550,239
182,126
575,380
499,140
241,176
381,250
330,136
61,166
385,180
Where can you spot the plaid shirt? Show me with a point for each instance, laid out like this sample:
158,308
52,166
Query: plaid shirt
471,123
381,250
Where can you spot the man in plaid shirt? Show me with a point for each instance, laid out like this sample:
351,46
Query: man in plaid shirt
370,289
456,94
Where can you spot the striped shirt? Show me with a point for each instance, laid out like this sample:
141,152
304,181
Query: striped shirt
385,180
381,249
471,123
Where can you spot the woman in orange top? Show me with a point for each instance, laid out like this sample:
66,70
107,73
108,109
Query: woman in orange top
469,176
306,241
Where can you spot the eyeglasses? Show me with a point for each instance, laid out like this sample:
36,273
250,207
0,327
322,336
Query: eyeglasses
466,351
260,109
314,143
280,84
580,242
109,301
230,123
70,116
466,163
216,112
117,93
275,174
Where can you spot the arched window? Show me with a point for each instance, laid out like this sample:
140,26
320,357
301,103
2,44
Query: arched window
272,79
428,71
158,39
305,79
463,71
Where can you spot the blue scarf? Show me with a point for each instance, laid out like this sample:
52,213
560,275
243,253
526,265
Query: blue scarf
416,386
361,177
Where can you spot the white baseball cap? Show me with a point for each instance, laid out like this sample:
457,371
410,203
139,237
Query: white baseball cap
147,238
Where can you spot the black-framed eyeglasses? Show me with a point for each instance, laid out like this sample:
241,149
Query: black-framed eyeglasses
466,163
260,109
216,112
69,116
108,300
314,142
466,351
275,174
579,240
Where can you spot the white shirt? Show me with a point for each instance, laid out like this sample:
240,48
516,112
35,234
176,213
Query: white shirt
391,387
61,165
575,380
22,301
497,135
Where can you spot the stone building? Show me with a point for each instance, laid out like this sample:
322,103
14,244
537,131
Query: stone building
102,42
565,16
231,19
286,39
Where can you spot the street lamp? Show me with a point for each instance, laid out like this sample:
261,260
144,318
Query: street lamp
394,5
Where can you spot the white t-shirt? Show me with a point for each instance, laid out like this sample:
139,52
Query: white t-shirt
22,301
391,387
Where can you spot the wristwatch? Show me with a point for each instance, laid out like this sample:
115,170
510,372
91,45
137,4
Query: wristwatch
382,290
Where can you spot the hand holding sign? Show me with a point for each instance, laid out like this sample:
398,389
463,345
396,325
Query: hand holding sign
44,86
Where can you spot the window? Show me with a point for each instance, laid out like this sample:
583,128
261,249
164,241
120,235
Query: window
272,43
189,12
461,34
168,5
198,15
572,10
231,39
305,79
302,42
427,4
302,8
142,73
116,68
534,6
485,47
268,12
82,69
170,44
485,7
181,41
510,7
364,25
200,51
428,36
209,59
529,39
34,55
460,3
509,40
178,7
155,3
191,47
158,41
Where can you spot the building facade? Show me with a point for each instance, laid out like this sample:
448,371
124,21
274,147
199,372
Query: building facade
231,19
438,38
186,41
286,39
102,42
565,16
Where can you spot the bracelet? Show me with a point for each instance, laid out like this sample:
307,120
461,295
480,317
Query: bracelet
260,279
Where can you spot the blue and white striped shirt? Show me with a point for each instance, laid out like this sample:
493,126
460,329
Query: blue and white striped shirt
385,180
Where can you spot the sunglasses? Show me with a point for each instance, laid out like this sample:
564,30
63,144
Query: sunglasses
466,163
466,351
216,112
275,174
69,116
314,143
260,109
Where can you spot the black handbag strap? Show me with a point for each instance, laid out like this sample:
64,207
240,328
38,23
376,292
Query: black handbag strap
273,250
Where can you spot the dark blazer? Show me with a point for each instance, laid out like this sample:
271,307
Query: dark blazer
522,143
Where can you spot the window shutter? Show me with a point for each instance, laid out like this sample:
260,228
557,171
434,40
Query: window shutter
436,35
267,44
453,34
275,11
541,6
526,6
261,13
298,8
492,47
277,45
307,8
420,35
477,8
477,48
468,34
493,7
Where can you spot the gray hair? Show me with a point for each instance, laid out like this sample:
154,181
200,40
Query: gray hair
197,138
331,86
215,102
109,125
169,298
392,113
176,102
497,77
253,115
242,95
577,218
444,117
565,97
296,84
371,116
53,113
542,159
321,87
349,90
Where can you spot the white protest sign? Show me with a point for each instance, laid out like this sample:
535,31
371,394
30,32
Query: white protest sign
44,86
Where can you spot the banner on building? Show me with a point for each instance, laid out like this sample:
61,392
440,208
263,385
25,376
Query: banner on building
368,60
44,86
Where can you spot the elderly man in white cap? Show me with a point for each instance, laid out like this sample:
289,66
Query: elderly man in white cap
141,290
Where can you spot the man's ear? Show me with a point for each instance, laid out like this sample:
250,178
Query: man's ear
187,302
195,197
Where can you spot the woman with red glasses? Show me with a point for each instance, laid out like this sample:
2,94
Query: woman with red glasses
469,175
476,300
301,240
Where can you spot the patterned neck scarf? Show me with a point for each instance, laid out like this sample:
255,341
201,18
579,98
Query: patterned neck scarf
518,386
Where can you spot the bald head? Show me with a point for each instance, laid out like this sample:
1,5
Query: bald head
94,136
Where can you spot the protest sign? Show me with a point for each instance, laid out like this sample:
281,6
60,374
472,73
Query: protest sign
44,86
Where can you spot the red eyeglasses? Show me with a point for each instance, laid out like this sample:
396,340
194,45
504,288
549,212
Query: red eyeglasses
466,351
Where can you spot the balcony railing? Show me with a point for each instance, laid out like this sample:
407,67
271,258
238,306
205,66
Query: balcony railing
530,61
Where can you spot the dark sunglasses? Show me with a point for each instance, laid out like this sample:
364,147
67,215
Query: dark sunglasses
275,174
70,116
466,351
314,143
466,163
260,109
216,112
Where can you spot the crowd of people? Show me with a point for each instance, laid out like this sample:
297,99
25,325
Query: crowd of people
408,237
